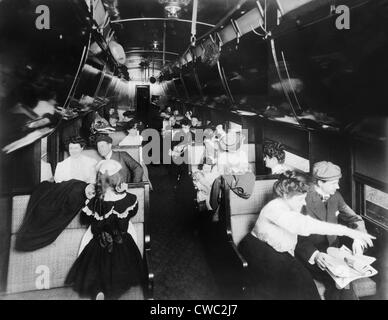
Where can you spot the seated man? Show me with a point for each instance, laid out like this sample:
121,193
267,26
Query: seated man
132,171
325,203
274,157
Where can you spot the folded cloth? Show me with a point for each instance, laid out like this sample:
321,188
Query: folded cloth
51,208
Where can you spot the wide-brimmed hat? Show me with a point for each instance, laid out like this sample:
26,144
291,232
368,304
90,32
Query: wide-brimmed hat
231,142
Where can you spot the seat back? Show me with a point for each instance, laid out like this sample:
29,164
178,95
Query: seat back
250,150
134,151
117,137
241,214
53,261
27,269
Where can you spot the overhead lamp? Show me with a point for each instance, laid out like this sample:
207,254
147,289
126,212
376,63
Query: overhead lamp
152,79
155,45
173,7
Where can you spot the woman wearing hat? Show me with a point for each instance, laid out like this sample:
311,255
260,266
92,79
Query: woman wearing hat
269,248
111,262
233,169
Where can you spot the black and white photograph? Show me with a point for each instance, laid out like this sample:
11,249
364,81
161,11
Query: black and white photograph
193,154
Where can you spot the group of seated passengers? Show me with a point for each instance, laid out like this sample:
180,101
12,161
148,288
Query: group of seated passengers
187,134
81,167
109,245
109,261
172,119
174,122
281,232
286,249
123,133
112,118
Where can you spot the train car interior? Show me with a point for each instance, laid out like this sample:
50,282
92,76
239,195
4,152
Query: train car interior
194,149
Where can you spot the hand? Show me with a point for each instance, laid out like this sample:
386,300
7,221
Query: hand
364,238
90,191
122,187
320,260
358,247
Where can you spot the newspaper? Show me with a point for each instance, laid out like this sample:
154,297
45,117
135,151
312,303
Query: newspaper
344,267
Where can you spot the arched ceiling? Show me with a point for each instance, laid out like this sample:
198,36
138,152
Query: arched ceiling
137,37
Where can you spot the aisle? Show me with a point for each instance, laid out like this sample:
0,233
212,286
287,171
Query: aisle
180,268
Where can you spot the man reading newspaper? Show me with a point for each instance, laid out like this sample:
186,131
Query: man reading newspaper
325,203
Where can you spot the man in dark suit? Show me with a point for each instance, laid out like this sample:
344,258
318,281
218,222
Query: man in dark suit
325,203
132,171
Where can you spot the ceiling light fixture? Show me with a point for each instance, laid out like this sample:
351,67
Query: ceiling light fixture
155,45
173,7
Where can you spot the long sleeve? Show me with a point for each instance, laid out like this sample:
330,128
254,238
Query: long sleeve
134,166
59,174
349,217
300,224
305,248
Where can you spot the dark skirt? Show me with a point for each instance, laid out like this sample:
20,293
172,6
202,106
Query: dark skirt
112,271
274,275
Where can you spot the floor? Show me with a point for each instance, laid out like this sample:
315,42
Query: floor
179,258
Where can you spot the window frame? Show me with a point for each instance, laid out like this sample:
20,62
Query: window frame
360,182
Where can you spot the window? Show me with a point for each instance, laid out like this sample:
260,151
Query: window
376,205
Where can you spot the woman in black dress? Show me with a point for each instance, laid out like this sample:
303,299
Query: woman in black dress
111,262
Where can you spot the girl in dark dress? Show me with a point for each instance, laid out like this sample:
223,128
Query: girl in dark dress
111,262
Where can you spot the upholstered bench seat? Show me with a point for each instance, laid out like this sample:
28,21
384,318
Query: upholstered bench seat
25,269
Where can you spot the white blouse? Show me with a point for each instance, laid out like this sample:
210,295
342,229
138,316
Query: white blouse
279,226
82,168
